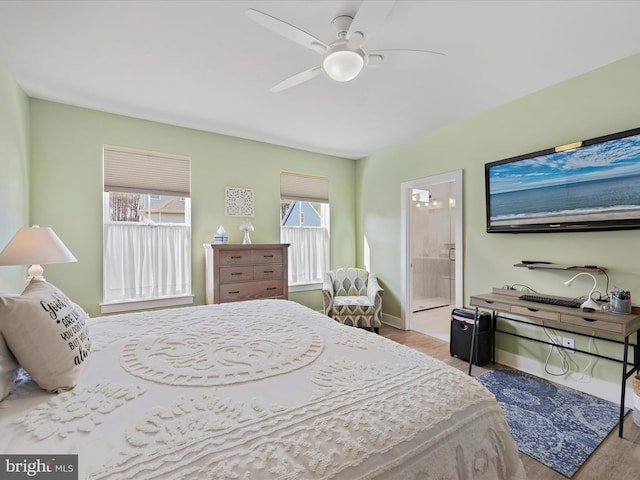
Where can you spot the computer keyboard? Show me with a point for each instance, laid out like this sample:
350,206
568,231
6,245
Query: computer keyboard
561,302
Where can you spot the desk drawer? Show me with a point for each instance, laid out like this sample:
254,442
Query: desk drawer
251,290
500,307
586,322
236,274
535,313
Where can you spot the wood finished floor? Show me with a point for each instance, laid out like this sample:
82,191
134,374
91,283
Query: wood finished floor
616,458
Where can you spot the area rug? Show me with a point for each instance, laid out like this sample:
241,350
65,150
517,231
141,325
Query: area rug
556,425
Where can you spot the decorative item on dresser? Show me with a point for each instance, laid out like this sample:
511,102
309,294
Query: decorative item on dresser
246,272
246,227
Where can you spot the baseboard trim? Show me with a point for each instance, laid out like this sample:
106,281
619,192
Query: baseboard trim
393,321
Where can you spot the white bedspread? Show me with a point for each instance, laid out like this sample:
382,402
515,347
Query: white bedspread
266,389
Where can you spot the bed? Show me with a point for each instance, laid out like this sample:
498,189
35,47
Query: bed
264,389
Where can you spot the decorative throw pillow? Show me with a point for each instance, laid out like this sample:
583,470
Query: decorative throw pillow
8,369
48,335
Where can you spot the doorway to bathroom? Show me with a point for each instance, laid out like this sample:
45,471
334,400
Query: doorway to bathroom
433,255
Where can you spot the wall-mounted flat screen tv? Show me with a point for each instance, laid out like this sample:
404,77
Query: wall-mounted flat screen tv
589,185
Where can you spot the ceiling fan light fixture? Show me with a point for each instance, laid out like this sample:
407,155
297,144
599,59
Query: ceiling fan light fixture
343,64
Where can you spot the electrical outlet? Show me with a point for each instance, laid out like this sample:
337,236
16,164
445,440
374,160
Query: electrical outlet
568,342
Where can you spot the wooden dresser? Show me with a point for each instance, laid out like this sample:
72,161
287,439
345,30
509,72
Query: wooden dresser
237,272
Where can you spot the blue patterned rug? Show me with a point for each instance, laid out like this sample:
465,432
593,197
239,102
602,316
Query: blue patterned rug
556,425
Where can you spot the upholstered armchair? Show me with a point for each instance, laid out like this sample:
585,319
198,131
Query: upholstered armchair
353,296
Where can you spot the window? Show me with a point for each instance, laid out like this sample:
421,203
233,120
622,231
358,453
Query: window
147,230
304,224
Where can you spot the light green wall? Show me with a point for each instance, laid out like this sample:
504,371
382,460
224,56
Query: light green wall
66,185
601,102
604,101
14,172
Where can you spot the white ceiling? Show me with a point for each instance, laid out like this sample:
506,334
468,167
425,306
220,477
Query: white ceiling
205,65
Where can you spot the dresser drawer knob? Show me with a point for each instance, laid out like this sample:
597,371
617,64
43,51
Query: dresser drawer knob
271,288
236,273
236,256
234,291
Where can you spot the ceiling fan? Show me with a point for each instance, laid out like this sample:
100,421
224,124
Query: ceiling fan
345,58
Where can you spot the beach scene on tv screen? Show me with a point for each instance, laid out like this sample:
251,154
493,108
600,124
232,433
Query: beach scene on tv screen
593,183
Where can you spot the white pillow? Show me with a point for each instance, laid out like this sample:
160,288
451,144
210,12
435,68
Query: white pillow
8,369
48,335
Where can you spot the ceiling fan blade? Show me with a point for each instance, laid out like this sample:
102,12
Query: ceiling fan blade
404,58
297,79
287,31
368,19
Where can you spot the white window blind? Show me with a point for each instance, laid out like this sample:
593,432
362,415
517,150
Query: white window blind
309,188
309,246
129,170
146,257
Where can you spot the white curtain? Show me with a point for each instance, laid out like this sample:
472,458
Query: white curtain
308,253
146,261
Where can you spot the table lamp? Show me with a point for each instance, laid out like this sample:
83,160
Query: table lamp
589,303
35,246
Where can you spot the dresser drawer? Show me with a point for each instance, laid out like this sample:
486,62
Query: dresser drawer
586,322
267,256
236,274
535,313
267,272
236,257
251,290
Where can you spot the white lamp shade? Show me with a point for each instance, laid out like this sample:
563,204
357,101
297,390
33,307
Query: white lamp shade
35,245
342,64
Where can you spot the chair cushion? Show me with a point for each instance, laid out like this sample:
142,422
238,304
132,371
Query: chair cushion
352,305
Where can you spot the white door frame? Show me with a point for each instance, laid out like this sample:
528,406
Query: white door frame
406,277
